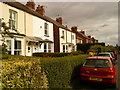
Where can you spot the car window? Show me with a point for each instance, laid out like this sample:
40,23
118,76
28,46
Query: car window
104,55
97,63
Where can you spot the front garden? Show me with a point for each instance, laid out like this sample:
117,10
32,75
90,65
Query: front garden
37,72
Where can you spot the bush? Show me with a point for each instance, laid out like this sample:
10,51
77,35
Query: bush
76,52
56,54
59,71
23,72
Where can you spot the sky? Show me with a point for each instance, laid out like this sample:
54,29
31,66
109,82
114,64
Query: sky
99,19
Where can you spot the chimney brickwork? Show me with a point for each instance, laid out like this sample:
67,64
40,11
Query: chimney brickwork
31,4
40,10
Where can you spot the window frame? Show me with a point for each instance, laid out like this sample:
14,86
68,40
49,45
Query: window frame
13,19
46,29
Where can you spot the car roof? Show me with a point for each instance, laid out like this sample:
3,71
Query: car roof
98,57
104,53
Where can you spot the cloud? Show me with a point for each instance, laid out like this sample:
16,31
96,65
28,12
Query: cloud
99,19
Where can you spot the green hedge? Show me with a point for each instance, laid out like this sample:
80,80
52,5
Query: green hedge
60,71
56,54
23,72
34,72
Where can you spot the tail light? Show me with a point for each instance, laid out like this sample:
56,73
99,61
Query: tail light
82,71
110,73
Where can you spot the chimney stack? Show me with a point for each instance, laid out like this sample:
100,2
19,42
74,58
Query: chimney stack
59,20
89,36
83,32
40,10
74,29
31,4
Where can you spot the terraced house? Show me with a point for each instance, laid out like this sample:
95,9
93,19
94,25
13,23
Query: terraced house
35,31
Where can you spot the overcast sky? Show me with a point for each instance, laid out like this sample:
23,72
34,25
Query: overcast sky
98,19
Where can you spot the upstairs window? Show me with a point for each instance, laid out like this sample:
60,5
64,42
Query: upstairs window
12,19
72,37
46,33
63,34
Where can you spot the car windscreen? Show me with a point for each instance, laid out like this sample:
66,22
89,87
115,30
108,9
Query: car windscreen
97,63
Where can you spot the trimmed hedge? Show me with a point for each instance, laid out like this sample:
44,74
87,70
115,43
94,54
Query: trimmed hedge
56,54
23,72
60,71
34,72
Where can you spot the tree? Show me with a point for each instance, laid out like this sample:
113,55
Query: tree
5,30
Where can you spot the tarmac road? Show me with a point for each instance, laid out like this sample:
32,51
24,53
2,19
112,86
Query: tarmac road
77,84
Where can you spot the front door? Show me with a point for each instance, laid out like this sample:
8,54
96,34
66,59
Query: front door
29,50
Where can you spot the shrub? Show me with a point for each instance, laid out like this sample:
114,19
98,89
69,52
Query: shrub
76,52
23,72
59,71
56,54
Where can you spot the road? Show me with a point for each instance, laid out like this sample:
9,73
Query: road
77,84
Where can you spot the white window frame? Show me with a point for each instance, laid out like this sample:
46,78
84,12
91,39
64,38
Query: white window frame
13,19
49,47
18,50
46,29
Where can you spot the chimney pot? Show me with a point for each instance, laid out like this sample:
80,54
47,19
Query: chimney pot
74,29
40,10
83,32
31,4
59,19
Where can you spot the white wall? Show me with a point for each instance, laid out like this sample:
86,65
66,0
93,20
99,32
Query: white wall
67,39
38,31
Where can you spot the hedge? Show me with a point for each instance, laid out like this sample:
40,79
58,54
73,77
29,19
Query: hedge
56,54
61,71
23,72
34,72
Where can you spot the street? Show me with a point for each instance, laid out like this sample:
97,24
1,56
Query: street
77,84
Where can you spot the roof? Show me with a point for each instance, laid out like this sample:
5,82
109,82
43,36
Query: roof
31,11
47,40
82,35
33,39
98,57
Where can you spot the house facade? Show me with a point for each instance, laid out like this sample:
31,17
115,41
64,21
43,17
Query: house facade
31,31
64,39
34,31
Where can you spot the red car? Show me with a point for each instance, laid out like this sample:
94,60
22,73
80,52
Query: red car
99,69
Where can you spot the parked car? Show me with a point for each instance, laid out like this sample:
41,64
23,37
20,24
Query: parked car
113,54
107,54
99,70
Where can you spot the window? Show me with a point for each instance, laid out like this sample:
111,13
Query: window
72,37
45,47
13,19
8,42
63,34
66,48
17,48
49,47
73,48
97,63
63,48
46,29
